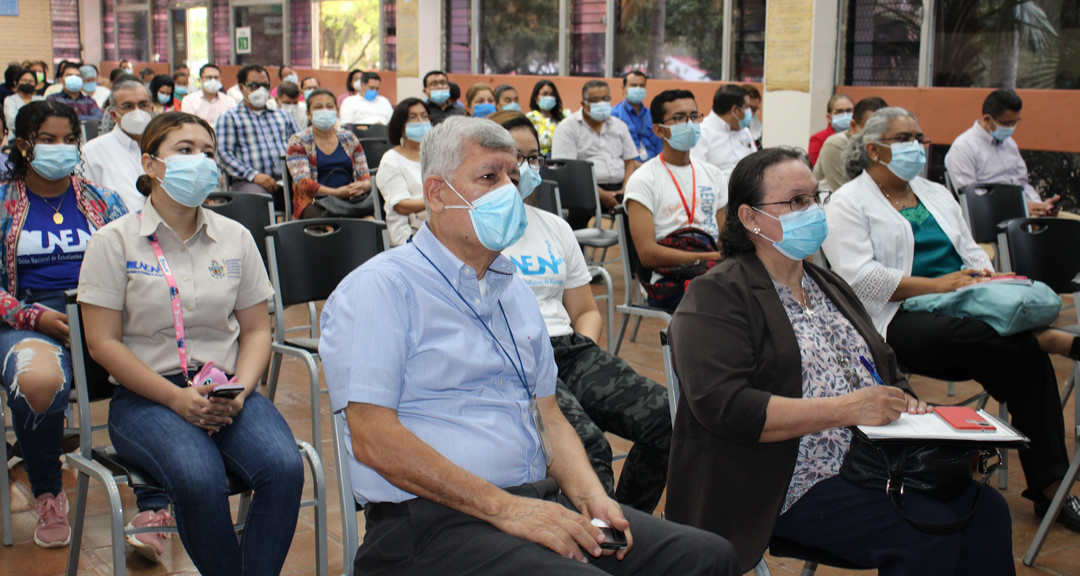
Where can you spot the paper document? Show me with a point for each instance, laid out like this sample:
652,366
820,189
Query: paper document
930,426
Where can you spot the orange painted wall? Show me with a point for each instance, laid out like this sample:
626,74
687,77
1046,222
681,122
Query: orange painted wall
1051,118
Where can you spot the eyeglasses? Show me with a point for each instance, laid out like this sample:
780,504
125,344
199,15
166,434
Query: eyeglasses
536,162
257,85
1007,124
598,100
905,137
439,84
683,119
802,201
129,106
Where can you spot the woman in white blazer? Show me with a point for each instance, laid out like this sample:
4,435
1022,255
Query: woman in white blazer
894,235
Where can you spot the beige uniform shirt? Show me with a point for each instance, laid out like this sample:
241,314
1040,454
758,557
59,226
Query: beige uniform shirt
218,271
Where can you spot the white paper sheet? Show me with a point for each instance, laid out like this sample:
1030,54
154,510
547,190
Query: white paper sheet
930,426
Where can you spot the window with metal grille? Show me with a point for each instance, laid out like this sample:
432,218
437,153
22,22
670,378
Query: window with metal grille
749,38
346,35
300,33
65,30
679,40
519,37
587,31
389,25
458,58
881,42
222,37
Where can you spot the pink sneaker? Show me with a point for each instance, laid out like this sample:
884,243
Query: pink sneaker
52,529
149,545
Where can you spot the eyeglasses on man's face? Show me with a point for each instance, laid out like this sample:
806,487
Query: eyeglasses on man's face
256,85
682,119
802,201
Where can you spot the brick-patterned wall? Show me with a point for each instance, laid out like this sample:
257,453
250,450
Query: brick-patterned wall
33,39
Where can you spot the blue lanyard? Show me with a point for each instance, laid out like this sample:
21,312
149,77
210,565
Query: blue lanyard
520,372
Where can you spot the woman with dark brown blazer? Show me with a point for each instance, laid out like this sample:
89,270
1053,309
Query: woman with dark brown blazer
767,349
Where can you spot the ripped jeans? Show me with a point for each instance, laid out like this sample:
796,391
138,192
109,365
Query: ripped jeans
40,433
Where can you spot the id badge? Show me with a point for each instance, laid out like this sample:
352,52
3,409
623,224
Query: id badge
538,421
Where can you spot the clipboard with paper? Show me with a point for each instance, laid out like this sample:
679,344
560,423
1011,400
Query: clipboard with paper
932,429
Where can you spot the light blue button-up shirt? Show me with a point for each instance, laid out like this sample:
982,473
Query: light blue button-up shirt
396,334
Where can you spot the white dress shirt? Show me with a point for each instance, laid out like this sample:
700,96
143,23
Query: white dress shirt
608,151
210,110
871,245
101,96
359,110
113,160
721,146
977,157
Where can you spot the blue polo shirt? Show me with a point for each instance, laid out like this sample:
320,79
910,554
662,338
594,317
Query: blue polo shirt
640,126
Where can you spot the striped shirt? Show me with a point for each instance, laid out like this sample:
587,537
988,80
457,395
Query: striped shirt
253,142
84,106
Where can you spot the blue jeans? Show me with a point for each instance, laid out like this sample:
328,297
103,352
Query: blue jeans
40,434
258,447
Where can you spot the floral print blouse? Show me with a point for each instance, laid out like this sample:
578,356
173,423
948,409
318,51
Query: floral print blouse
545,128
830,348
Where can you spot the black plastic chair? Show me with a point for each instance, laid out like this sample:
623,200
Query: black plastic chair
370,131
103,464
987,205
634,304
578,193
547,197
373,152
90,129
254,211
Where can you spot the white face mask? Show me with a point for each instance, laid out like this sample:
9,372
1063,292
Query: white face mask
135,122
212,86
259,97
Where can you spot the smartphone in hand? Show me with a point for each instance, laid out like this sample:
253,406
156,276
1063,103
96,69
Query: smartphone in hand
229,391
613,539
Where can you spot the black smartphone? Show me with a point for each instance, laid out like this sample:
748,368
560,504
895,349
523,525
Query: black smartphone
229,393
613,539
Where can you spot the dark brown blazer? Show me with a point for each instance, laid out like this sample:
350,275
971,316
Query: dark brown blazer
733,349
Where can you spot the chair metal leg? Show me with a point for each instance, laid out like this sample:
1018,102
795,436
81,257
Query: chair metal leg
809,569
87,468
82,487
272,376
5,482
319,488
349,531
242,512
1003,470
313,320
622,332
951,389
1055,508
637,326
762,569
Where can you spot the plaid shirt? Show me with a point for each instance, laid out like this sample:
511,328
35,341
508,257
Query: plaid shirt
252,143
84,106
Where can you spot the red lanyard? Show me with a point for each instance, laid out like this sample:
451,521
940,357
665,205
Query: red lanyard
691,209
174,296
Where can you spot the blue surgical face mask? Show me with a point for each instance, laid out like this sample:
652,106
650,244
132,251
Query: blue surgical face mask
483,110
73,83
512,106
908,160
89,87
635,94
164,98
804,232
748,115
440,96
307,93
530,179
55,161
292,78
370,95
189,179
684,136
841,122
1002,133
180,90
498,217
546,102
324,119
416,131
600,111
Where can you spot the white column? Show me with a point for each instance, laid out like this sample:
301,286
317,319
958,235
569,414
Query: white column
796,96
90,26
429,47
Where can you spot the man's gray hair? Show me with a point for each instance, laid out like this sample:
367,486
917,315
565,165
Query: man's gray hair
127,83
440,153
856,158
88,72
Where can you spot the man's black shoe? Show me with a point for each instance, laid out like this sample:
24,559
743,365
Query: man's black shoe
1070,512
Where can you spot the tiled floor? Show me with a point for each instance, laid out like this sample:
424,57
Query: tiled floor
1060,555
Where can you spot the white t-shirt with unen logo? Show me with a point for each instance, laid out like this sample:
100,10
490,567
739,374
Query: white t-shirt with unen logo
550,261
653,188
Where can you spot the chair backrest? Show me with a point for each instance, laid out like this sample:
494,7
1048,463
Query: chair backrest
308,258
577,186
374,150
987,205
254,211
89,380
371,131
669,374
631,265
89,129
1044,249
547,197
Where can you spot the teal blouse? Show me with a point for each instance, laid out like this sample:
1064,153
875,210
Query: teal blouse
935,254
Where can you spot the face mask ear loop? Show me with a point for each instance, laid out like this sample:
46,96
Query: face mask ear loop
470,205
758,230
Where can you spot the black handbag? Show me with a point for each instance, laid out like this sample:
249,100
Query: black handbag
942,471
333,207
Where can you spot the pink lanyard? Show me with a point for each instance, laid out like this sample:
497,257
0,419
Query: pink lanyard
174,296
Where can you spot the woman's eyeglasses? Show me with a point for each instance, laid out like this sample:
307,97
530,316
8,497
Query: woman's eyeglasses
802,201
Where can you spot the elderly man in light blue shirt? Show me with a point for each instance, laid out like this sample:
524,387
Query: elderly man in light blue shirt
439,356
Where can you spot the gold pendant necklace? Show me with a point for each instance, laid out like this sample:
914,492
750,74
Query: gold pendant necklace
57,218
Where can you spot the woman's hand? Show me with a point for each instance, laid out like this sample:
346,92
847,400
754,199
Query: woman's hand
874,405
54,325
957,280
193,406
915,406
230,407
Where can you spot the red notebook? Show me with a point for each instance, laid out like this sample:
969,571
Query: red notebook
964,418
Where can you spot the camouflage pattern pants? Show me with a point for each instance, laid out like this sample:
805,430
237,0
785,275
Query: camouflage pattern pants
598,393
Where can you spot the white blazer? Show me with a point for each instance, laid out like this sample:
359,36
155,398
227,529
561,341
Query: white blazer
871,245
